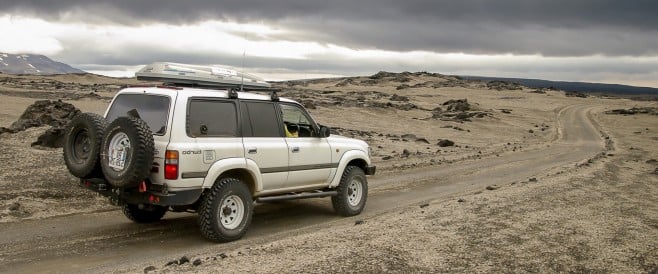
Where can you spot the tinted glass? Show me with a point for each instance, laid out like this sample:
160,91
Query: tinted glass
262,120
153,109
208,118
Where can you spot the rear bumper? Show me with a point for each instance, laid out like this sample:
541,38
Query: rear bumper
370,170
153,194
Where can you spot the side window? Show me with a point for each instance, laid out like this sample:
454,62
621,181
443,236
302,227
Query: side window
260,119
297,123
212,118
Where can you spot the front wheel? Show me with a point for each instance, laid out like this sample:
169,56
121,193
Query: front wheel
352,192
226,211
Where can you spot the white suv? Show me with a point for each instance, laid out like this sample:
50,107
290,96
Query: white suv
215,152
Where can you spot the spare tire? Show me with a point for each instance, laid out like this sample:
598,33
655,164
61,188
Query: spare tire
82,144
127,152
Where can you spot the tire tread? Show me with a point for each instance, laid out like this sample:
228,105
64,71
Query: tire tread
142,158
205,220
339,201
143,216
98,125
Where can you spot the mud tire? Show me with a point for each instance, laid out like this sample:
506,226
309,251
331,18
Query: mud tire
149,214
82,145
137,137
228,197
352,192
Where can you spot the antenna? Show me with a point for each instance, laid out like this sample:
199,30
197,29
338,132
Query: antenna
242,73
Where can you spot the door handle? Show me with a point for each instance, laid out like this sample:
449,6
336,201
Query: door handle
252,150
295,149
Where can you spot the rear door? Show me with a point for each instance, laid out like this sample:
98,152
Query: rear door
154,109
264,143
212,134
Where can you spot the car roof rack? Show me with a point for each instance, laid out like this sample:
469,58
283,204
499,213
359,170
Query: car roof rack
199,76
232,89
174,75
222,87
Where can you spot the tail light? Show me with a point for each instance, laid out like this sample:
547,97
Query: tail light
171,165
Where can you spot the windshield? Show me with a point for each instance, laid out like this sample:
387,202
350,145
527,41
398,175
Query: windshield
153,109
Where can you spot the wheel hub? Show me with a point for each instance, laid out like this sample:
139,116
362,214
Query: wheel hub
354,192
227,211
119,151
82,145
231,212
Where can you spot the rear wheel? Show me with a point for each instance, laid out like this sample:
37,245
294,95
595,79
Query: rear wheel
226,211
352,192
145,213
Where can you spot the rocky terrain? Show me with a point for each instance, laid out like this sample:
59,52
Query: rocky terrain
594,214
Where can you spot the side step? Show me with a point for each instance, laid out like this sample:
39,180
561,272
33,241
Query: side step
296,196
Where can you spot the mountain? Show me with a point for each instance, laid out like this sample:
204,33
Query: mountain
582,87
33,64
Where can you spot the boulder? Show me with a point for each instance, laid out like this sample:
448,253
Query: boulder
445,143
44,112
56,114
457,105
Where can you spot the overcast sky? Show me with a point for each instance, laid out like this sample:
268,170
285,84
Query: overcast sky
575,40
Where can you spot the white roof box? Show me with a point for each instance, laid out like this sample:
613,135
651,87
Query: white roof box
214,76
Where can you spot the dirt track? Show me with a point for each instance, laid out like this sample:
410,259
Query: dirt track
99,241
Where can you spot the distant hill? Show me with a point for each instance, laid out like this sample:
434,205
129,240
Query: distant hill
581,87
33,64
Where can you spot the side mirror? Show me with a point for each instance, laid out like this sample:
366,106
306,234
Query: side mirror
324,132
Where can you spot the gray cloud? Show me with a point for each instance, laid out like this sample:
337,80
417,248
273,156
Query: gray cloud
549,28
135,54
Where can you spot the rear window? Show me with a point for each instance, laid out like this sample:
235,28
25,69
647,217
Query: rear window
153,109
212,118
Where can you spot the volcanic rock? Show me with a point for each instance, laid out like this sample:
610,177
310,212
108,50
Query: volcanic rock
457,105
43,112
504,85
445,143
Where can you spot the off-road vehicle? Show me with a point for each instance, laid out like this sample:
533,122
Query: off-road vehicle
198,144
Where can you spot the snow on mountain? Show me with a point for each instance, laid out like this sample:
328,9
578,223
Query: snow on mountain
33,64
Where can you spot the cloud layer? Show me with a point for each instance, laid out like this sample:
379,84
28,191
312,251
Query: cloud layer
548,28
603,40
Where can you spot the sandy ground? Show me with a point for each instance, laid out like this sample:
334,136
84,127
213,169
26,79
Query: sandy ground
598,217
